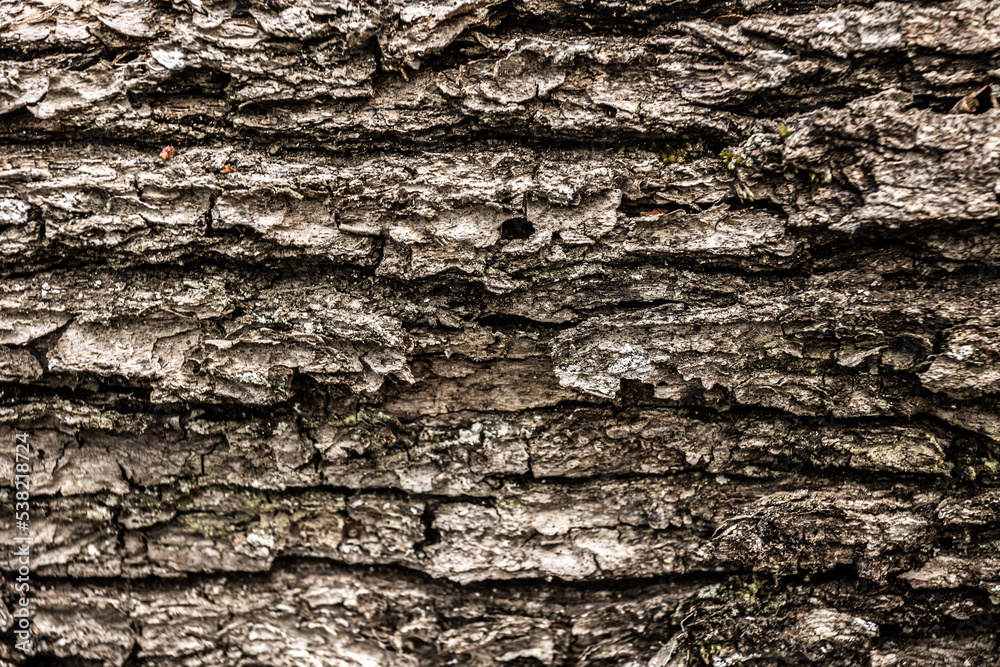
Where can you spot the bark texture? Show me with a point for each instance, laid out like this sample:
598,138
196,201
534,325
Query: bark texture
483,332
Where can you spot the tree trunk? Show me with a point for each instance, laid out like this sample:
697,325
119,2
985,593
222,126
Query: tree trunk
502,333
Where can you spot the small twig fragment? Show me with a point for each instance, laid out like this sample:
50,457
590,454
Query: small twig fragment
729,19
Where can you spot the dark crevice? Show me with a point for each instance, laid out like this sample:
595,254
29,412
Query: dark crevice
431,534
212,198
517,323
516,228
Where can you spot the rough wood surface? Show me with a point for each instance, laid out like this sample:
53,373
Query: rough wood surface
503,333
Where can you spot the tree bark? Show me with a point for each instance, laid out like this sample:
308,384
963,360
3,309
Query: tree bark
502,333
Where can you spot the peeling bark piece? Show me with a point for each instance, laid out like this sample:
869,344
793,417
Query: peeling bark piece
153,349
18,364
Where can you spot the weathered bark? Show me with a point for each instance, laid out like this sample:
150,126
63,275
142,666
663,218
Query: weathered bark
493,332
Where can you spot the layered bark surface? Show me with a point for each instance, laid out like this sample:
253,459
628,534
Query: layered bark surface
503,333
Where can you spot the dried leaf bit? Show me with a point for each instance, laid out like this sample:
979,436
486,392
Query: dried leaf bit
980,101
